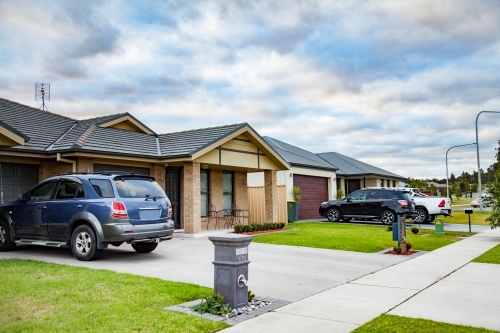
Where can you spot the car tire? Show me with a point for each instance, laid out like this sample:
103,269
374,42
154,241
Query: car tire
388,217
333,215
432,218
346,219
144,247
6,243
422,216
84,243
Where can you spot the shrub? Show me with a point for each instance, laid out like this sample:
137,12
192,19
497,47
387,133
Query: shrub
238,228
213,305
250,228
397,249
250,296
244,228
389,228
282,225
408,246
415,230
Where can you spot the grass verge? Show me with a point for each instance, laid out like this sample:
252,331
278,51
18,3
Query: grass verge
490,257
44,297
357,238
396,324
459,217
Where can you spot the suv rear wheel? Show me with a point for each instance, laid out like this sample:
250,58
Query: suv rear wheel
6,243
84,244
333,215
388,217
144,247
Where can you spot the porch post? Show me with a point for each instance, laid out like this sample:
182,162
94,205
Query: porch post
271,191
191,208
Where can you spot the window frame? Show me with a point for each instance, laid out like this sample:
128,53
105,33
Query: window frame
204,193
227,210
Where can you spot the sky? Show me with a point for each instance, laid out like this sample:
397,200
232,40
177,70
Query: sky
391,83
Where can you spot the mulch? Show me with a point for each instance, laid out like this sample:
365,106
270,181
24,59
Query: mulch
261,232
408,253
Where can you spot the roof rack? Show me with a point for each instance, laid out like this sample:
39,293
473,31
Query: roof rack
100,173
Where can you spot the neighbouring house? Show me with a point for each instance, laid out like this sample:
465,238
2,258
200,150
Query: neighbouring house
320,175
353,175
195,167
314,176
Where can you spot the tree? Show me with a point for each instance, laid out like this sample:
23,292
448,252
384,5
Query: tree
494,191
417,183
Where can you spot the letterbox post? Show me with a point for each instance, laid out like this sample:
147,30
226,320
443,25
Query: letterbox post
231,268
402,232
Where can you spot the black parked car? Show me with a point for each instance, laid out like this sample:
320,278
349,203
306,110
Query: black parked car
382,204
88,211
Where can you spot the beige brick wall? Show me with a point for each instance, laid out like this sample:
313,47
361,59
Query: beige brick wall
214,196
271,196
241,190
158,171
191,198
85,165
50,168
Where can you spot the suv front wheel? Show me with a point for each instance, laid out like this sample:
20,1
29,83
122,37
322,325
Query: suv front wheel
333,215
84,244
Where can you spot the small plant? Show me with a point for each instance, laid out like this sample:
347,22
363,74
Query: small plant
296,193
408,246
238,228
397,249
250,296
415,230
213,305
389,228
340,194
282,225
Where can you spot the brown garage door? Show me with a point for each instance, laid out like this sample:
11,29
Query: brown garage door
314,191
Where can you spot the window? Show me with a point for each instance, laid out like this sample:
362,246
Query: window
42,192
69,189
376,194
204,191
134,187
360,195
227,189
102,187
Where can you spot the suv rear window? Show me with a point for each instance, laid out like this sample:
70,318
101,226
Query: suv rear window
102,187
138,188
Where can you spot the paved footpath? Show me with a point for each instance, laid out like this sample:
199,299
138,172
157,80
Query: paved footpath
442,285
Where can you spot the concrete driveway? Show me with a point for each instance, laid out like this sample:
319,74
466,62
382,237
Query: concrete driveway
283,272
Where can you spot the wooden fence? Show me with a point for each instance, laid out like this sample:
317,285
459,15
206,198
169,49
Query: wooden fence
257,204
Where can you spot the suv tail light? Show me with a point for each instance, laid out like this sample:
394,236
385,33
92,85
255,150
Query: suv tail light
118,210
403,203
441,204
169,210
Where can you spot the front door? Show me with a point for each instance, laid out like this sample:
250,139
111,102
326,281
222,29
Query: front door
173,190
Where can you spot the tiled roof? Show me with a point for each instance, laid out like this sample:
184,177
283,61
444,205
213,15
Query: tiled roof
350,167
297,156
42,127
189,142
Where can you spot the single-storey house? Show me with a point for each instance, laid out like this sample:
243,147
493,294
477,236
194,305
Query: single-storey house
320,175
195,167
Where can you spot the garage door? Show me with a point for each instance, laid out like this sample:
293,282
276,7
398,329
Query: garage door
17,179
111,167
314,191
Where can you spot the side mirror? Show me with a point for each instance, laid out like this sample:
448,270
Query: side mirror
348,199
22,197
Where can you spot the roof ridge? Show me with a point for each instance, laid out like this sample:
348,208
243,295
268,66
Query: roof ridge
100,117
205,128
31,107
343,157
80,141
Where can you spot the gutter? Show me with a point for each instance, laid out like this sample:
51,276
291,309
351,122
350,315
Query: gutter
64,160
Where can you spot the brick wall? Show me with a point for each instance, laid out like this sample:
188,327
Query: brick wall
158,171
85,165
191,198
50,168
241,190
271,196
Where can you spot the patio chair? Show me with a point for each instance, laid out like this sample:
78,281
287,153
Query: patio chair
240,214
214,214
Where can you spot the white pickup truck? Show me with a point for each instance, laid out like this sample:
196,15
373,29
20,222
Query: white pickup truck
428,207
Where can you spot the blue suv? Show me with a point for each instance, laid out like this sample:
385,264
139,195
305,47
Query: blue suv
88,211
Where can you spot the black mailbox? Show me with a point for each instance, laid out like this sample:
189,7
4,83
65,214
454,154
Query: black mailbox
469,210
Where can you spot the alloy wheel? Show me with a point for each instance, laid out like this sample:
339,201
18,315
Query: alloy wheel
83,243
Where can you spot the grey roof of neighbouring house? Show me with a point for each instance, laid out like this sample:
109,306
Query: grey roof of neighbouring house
297,156
50,133
350,167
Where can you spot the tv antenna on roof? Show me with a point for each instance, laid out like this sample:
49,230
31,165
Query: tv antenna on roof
42,91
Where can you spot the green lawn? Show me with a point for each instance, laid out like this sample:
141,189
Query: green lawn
358,238
396,324
461,201
44,297
459,217
490,257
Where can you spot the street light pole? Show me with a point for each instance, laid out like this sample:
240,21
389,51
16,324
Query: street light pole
478,164
447,187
